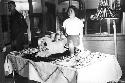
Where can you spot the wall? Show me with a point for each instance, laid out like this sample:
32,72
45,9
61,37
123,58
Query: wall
1,11
37,7
91,4
123,23
2,76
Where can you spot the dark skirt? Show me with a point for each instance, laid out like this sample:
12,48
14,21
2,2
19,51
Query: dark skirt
74,38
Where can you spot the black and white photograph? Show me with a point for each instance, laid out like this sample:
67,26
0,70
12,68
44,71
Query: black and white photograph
62,41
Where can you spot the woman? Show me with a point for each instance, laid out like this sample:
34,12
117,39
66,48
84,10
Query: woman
73,27
18,27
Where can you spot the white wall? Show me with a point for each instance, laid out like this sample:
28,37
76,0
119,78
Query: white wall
91,4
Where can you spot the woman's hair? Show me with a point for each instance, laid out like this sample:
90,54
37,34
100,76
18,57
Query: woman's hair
12,2
74,8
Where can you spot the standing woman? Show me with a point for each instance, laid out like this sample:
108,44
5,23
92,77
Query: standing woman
18,27
73,28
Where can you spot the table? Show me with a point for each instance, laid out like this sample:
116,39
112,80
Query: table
43,72
103,71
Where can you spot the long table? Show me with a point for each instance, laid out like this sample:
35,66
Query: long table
102,71
43,72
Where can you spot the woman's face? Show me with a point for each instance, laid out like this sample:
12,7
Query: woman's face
71,13
11,7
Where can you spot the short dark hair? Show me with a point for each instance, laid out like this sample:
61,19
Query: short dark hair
12,2
74,8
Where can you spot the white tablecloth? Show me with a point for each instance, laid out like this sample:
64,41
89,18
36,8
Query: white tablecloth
43,72
102,71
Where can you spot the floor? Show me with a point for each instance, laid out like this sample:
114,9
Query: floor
18,80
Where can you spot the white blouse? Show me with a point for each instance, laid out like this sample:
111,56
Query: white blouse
73,26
